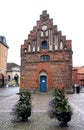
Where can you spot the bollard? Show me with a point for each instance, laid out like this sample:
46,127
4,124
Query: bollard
78,89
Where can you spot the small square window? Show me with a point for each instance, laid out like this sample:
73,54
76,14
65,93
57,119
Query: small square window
45,58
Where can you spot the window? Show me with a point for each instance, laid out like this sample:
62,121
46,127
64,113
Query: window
29,47
61,45
42,34
45,58
25,50
9,77
46,33
44,45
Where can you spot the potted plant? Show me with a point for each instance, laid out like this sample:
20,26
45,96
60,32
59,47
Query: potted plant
59,107
22,109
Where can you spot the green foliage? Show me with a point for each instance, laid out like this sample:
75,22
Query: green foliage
60,102
59,107
22,109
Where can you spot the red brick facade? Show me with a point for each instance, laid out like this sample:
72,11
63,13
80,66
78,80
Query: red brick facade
78,75
46,54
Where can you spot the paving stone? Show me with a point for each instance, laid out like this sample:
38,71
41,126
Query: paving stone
39,120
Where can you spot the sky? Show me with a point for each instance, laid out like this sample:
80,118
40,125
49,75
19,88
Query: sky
17,18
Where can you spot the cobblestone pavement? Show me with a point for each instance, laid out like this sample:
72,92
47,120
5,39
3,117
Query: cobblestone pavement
39,120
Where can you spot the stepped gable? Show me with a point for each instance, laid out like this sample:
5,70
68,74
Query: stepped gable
35,33
46,57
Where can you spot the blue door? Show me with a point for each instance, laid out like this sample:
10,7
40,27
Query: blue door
43,83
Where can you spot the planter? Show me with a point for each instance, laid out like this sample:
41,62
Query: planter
60,108
64,118
24,119
22,109
25,116
29,112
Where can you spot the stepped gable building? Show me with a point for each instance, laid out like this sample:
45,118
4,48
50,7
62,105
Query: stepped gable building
46,57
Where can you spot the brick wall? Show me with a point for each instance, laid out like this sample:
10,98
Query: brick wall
3,59
58,68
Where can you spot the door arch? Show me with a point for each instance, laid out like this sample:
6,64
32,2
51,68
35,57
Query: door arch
1,80
43,81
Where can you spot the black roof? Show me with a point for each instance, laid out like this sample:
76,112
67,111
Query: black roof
3,41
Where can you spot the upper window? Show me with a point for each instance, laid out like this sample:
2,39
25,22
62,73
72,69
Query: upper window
46,33
42,33
44,45
45,58
61,45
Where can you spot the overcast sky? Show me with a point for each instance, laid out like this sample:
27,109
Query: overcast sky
17,18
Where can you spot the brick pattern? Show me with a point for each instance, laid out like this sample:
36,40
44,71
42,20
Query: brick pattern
78,75
58,69
3,59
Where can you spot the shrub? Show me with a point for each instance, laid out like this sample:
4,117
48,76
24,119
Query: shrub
22,109
59,107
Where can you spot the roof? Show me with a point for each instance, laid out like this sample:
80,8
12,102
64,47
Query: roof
3,41
11,65
81,70
5,44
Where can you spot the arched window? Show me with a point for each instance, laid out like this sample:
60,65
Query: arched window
46,33
9,77
25,50
61,45
44,45
42,33
29,47
45,58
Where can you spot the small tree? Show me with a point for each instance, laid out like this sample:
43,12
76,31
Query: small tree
22,109
59,107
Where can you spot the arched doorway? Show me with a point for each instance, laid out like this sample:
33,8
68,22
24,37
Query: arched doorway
43,81
1,80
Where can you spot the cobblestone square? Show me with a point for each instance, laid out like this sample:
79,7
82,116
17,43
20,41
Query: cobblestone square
39,119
